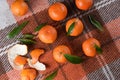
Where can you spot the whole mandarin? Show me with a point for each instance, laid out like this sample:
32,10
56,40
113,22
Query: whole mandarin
88,47
78,27
57,11
83,4
59,51
47,34
19,8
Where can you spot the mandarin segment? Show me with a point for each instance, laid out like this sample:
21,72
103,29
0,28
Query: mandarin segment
58,53
88,47
28,74
78,27
57,11
47,34
35,54
19,60
19,8
83,4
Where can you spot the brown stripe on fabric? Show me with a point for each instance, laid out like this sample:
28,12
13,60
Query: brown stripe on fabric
74,72
2,70
59,75
76,45
53,1
19,18
50,63
11,75
69,8
5,63
38,5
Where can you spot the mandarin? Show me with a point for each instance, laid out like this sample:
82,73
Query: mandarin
35,54
78,27
47,34
88,47
19,60
58,53
28,74
83,4
57,11
19,7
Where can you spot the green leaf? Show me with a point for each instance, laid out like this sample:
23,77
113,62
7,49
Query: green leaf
27,41
40,26
16,30
28,36
52,76
73,59
98,49
95,23
71,28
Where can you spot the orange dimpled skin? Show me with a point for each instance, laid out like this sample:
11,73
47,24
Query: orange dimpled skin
58,53
47,34
78,27
83,4
35,54
28,74
88,47
19,60
19,8
57,11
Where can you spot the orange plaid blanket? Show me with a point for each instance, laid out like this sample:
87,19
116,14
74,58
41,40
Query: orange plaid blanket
102,67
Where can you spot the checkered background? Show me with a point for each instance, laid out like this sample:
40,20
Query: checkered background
103,67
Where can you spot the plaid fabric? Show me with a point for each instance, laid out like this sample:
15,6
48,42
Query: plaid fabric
102,67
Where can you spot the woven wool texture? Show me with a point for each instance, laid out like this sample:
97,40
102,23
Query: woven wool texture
102,67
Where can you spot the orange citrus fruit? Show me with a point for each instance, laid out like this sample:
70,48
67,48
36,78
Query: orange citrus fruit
88,47
19,8
58,53
19,60
57,11
47,34
35,54
83,4
28,74
78,27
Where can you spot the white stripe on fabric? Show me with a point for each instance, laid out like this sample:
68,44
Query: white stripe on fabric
2,51
6,17
105,4
103,68
98,7
114,68
107,68
101,2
